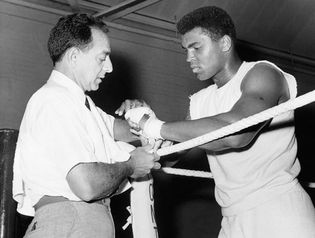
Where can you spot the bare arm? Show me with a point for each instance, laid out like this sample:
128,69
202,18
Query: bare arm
93,181
262,88
122,131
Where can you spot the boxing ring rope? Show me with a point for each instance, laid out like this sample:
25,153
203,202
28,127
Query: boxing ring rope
187,172
230,129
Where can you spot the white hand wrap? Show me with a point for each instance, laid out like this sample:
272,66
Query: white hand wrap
145,119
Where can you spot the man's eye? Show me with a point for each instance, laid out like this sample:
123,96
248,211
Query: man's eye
102,59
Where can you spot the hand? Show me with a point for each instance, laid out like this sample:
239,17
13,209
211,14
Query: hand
129,104
143,121
156,143
166,143
142,160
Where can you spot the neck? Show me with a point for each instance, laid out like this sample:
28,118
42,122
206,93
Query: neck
64,69
228,71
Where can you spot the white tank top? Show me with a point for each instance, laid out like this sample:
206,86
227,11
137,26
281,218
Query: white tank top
246,178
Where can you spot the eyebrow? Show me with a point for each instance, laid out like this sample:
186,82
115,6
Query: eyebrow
105,52
190,45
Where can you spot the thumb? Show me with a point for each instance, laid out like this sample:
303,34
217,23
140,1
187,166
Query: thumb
148,147
157,144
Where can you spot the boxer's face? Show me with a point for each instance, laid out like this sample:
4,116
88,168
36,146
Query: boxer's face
203,54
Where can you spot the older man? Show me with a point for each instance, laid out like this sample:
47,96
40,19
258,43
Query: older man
67,161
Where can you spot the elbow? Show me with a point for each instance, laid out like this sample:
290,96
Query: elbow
235,142
83,188
85,192
87,195
246,137
85,185
91,191
239,141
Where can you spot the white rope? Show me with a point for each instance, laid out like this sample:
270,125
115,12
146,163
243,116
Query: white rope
311,184
241,124
187,172
204,174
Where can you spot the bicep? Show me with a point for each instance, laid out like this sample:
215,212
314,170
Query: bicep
262,88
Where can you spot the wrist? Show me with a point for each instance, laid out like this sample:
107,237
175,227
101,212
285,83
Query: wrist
129,167
152,128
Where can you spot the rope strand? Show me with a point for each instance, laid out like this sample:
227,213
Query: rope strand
188,172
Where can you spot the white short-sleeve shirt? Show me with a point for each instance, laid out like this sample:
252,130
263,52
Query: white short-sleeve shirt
57,132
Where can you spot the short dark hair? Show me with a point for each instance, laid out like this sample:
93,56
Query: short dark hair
213,20
72,30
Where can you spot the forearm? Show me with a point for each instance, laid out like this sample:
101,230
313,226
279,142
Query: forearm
185,130
188,129
122,131
93,181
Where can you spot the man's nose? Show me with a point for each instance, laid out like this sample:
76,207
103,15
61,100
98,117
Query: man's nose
189,56
108,66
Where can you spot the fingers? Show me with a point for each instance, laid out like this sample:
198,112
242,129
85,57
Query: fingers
133,125
129,104
166,143
148,148
156,157
144,140
135,132
157,145
120,111
124,107
156,165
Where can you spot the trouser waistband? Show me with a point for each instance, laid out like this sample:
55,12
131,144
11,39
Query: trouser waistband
46,200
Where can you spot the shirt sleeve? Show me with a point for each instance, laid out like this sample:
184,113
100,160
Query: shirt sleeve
108,120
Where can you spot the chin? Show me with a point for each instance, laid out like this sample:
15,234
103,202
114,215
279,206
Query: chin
202,77
94,87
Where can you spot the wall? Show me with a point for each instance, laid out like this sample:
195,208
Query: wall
143,67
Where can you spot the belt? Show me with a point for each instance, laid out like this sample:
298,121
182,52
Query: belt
46,200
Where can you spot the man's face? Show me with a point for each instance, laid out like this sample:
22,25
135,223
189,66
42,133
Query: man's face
203,54
93,62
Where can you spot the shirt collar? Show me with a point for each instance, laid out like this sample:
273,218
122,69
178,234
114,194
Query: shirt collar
64,81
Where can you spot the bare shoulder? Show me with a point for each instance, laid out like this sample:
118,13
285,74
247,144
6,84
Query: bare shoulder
267,80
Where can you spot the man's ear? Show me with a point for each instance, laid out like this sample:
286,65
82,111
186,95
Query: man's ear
226,43
72,55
